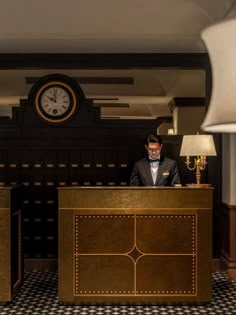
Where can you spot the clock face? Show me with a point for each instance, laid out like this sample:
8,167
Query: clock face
55,102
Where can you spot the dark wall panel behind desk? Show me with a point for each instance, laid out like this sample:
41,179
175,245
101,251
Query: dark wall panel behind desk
83,151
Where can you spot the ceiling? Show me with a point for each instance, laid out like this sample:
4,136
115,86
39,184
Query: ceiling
108,26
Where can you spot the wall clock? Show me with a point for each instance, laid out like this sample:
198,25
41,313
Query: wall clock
56,98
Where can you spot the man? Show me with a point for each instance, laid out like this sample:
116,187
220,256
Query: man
155,170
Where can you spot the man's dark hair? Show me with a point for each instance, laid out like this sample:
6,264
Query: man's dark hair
153,139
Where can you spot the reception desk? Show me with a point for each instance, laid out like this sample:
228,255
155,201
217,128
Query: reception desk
11,267
135,245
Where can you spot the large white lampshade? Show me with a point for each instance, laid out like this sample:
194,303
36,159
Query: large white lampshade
220,41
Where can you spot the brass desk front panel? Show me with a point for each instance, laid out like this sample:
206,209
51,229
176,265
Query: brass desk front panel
134,245
11,269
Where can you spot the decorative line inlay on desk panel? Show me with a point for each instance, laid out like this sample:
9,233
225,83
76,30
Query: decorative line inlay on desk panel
109,248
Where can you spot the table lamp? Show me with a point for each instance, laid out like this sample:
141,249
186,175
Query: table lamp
198,147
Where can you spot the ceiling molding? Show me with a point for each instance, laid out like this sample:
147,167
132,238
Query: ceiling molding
104,61
91,80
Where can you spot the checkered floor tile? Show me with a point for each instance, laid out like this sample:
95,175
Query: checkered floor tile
38,296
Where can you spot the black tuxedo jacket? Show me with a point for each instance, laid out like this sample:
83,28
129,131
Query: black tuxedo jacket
167,174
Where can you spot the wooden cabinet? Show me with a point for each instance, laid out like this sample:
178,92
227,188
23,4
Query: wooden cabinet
11,267
135,245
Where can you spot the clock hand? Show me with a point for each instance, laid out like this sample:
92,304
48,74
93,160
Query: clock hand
53,99
55,93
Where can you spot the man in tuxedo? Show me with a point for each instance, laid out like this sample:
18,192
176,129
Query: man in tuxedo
155,169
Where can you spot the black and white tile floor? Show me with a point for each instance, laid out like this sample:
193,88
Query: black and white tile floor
38,296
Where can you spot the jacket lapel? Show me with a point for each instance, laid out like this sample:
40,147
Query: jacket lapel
147,170
160,171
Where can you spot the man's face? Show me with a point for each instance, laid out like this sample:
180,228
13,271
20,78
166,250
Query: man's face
154,149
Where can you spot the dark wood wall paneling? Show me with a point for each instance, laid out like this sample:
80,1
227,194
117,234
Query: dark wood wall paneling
228,238
85,150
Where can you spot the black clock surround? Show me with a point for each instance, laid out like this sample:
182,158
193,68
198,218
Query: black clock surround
56,98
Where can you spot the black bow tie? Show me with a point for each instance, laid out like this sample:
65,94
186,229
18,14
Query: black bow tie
152,161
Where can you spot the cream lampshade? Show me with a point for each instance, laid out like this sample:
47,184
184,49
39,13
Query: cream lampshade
220,41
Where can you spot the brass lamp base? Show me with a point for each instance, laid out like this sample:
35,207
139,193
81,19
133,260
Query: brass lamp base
198,185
